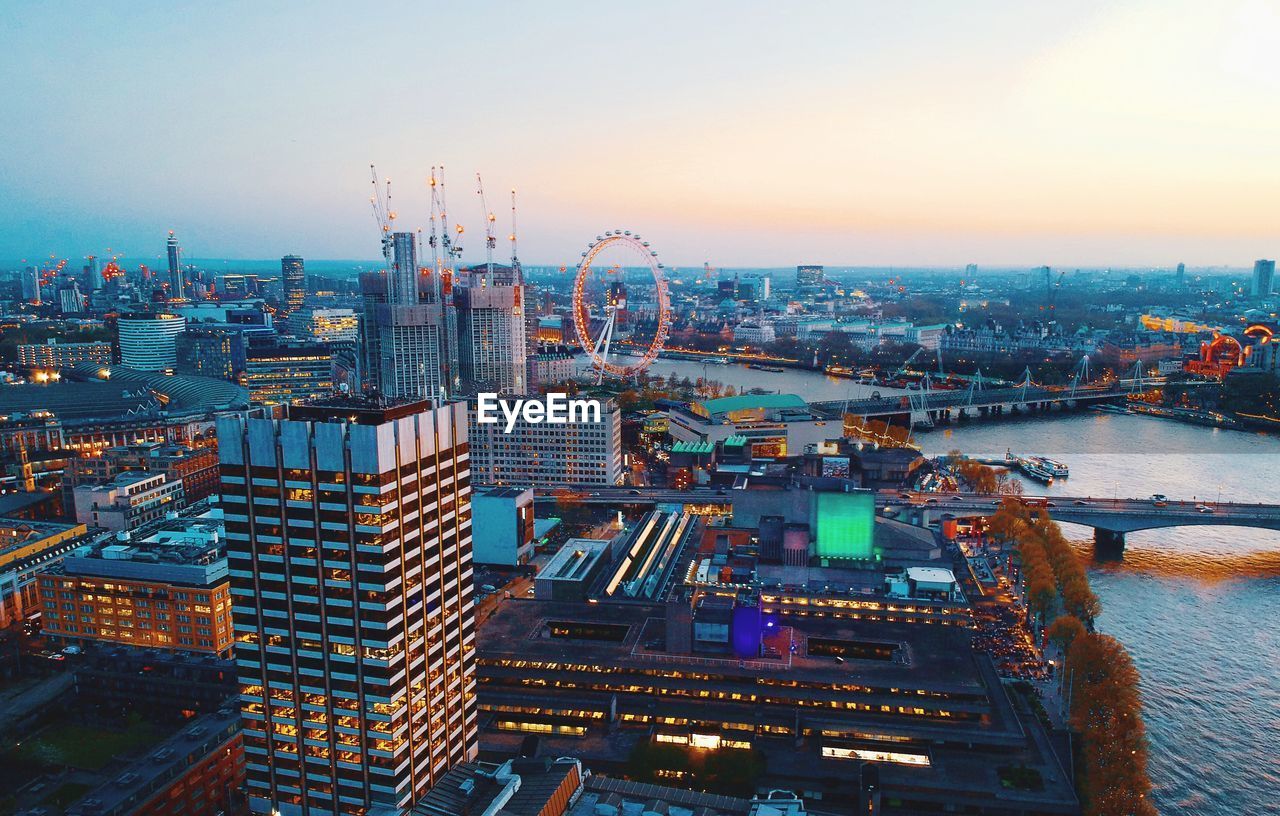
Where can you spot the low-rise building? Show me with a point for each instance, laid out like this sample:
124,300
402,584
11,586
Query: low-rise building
502,526
550,365
129,501
570,573
26,549
319,325
165,588
55,355
579,452
754,333
197,772
774,425
195,468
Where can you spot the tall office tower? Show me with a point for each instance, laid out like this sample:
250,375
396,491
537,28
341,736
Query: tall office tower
93,273
294,280
1181,276
352,602
970,272
492,339
31,285
810,275
148,342
176,285
409,328
1264,273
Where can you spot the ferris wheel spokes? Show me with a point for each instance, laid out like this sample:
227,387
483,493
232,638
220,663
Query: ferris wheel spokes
601,349
599,346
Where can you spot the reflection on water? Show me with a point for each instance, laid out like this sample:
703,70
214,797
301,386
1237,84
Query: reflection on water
1197,607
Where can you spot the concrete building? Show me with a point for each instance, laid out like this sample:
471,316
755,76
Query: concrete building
55,355
165,588
409,334
325,325
197,772
1264,273
754,333
928,337
541,454
774,425
148,341
570,573
28,548
195,468
550,365
282,373
809,275
356,649
491,329
532,786
128,501
502,526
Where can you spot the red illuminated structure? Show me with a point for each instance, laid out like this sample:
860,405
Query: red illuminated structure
1224,353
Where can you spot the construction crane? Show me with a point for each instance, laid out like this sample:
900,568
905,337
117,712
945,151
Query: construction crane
490,241
385,217
515,256
902,369
1052,295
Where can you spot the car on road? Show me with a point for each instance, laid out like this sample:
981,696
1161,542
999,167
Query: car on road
1079,502
1160,500
1203,508
957,497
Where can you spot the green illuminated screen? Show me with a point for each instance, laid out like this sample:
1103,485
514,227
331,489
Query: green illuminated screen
845,525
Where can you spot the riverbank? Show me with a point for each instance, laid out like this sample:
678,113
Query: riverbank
1186,602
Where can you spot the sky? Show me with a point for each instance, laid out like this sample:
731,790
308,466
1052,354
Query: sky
735,133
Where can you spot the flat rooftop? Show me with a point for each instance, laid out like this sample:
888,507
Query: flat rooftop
937,658
573,560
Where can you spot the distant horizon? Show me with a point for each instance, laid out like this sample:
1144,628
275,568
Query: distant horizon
1123,134
353,264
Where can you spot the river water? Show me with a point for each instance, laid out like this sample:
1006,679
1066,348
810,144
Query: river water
1197,607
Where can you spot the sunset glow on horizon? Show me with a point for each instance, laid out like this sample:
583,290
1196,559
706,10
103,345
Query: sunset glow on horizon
1136,133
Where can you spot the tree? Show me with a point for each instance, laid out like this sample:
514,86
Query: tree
1064,630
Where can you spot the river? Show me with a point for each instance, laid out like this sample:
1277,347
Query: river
811,385
1197,607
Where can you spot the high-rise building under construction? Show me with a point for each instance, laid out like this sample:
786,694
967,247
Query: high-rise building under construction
410,328
492,337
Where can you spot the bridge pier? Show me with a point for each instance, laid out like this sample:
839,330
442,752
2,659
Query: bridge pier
1108,544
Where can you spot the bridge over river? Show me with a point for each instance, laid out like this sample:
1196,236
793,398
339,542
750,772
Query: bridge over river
1110,518
937,405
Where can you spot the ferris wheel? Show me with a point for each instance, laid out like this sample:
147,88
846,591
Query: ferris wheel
605,307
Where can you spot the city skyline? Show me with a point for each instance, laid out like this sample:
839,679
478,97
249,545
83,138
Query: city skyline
1126,135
